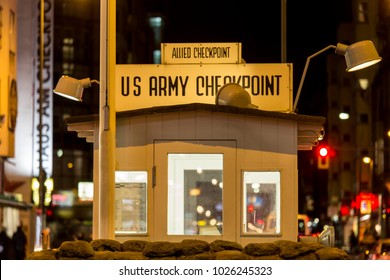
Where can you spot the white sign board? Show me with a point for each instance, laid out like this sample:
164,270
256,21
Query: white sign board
200,53
149,85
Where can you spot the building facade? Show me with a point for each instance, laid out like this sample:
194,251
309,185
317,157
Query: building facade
355,130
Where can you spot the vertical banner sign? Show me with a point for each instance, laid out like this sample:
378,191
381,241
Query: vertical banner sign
47,76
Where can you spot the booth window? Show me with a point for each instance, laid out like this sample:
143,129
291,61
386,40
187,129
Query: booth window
261,202
195,194
130,202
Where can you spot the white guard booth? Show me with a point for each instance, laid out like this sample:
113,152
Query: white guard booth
205,171
187,167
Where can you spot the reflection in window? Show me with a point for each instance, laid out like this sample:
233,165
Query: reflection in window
130,202
261,211
195,194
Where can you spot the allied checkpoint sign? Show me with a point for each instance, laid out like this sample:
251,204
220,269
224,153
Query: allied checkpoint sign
200,53
149,85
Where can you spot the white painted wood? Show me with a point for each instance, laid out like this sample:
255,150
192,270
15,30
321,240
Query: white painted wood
247,142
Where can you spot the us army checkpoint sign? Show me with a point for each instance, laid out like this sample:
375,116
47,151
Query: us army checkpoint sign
149,85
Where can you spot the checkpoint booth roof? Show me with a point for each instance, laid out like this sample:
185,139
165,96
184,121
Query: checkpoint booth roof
309,128
188,164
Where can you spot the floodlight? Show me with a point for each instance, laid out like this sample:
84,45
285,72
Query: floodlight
234,95
359,55
72,88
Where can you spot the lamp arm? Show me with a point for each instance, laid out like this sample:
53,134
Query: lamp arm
305,71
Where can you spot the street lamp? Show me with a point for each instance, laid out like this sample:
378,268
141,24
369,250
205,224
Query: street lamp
103,212
358,56
72,88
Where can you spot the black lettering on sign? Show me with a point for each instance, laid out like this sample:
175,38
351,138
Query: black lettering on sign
45,103
265,85
132,86
181,52
211,52
167,86
44,146
208,85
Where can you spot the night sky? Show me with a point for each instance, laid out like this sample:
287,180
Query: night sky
311,26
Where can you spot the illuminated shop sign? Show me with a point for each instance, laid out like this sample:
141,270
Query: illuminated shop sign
147,85
367,202
46,128
198,53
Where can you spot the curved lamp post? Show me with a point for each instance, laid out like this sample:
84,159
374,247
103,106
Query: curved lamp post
358,56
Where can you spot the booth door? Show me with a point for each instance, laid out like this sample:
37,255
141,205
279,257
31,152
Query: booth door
194,191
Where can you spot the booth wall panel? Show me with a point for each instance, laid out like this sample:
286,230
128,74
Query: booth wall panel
187,121
170,126
219,126
154,128
204,125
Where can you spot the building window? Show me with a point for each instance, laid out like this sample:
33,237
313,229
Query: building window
195,189
68,56
347,109
362,15
12,32
346,166
156,25
261,202
347,137
12,62
1,27
130,202
364,118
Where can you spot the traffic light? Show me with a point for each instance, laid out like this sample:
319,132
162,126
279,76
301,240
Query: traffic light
323,154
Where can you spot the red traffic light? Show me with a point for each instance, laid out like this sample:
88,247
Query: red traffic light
323,154
323,151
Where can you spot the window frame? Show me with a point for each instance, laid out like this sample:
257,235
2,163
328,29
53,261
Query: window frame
278,210
125,180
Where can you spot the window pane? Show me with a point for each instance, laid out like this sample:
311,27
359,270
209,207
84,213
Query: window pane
363,12
261,212
195,194
130,202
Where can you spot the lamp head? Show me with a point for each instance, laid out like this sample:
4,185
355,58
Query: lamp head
359,55
72,88
234,95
